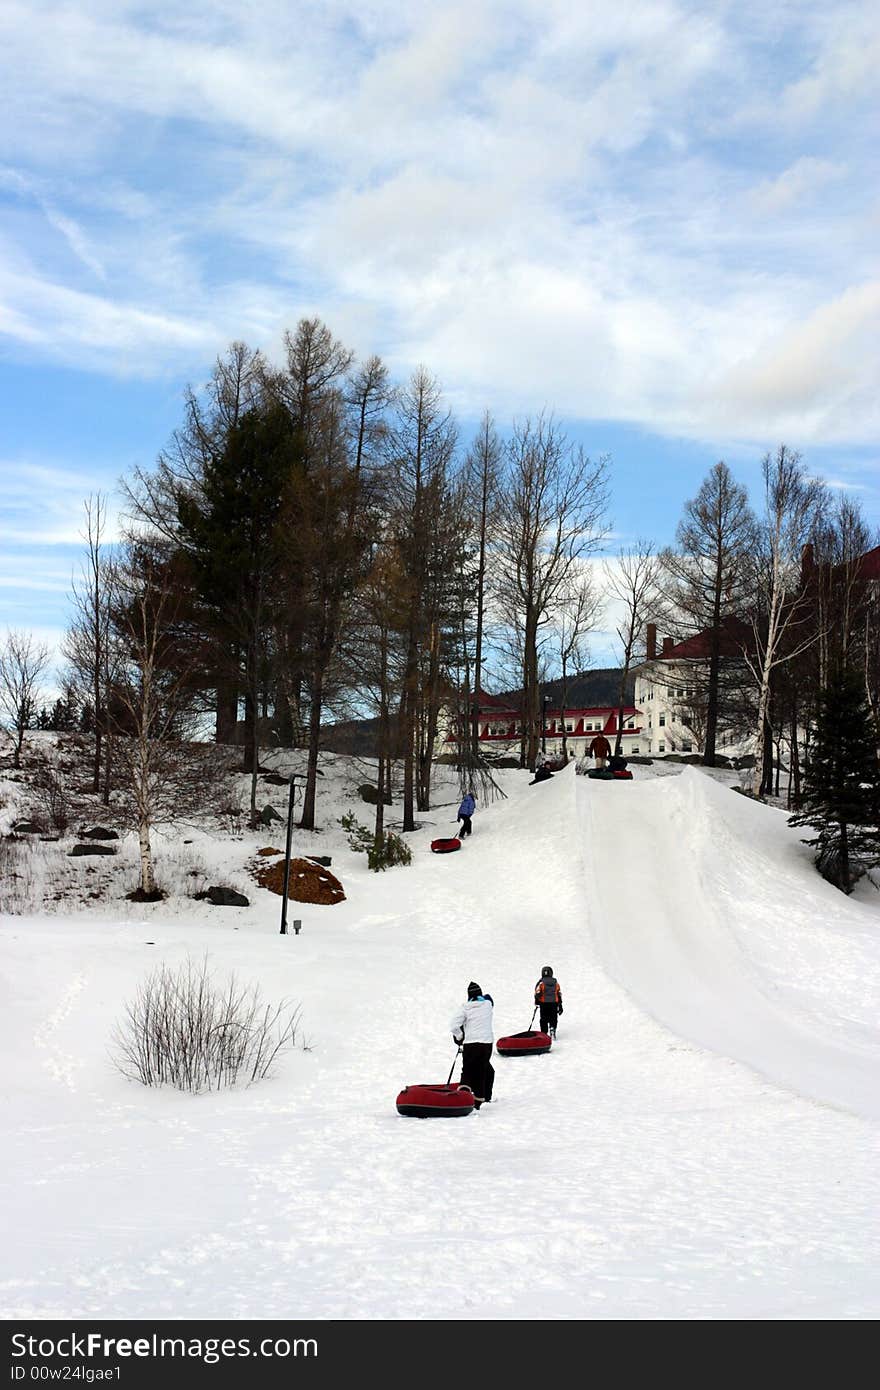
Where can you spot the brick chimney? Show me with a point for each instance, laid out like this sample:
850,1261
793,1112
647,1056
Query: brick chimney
651,641
668,644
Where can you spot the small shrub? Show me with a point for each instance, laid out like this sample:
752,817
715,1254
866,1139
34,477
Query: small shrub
359,837
184,1030
391,851
394,850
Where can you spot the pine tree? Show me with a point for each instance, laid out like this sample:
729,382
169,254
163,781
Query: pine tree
842,781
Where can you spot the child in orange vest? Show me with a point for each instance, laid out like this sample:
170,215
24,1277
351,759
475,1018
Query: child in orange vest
548,997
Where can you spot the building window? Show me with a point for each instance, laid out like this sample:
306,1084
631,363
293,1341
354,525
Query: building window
661,747
635,748
687,747
662,720
630,724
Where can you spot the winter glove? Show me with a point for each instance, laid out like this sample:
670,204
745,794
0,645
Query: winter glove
560,1011
458,1041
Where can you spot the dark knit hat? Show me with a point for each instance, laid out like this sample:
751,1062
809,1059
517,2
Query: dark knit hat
473,990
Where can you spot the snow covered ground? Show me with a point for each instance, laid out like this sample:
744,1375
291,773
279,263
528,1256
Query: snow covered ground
702,1142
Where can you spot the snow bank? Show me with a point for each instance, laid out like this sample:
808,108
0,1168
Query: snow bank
718,924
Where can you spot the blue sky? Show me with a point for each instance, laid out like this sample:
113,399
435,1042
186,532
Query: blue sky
659,220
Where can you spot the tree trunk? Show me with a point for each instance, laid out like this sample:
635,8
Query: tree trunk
227,713
761,734
408,731
108,768
794,776
307,821
148,881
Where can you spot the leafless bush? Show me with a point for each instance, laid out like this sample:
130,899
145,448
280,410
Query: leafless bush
19,890
184,1030
231,816
52,798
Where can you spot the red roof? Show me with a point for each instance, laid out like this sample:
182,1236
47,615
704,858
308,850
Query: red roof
869,565
735,635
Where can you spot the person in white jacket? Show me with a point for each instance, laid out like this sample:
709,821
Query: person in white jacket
472,1030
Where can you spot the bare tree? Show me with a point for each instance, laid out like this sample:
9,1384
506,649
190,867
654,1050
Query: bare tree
634,584
334,504
576,611
87,640
153,701
781,619
23,664
421,443
483,465
553,504
707,578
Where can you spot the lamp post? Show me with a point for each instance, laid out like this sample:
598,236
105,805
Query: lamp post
290,800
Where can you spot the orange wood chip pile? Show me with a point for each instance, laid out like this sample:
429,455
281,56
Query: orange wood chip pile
309,883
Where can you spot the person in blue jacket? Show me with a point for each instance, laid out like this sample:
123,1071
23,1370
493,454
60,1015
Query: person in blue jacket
465,811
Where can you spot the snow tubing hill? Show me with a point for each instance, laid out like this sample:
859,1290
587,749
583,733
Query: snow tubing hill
434,1102
445,846
527,1044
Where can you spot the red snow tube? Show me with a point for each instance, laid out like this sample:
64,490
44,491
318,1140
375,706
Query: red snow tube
429,1102
623,776
445,846
527,1044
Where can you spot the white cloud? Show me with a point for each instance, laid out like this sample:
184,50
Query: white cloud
611,210
802,180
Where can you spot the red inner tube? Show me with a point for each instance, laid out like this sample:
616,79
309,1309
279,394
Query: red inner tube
522,1044
423,1101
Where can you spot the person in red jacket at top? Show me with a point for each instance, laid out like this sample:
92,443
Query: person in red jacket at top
600,749
548,997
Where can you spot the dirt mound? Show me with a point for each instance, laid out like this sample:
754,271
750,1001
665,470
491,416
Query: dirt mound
309,883
269,850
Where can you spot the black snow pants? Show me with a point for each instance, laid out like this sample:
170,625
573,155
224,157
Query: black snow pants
549,1016
466,827
477,1070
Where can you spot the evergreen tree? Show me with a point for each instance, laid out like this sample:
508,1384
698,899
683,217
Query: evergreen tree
841,797
230,534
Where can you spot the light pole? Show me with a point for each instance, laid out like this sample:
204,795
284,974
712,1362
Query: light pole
287,855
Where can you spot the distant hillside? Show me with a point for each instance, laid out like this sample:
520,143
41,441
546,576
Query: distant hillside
589,690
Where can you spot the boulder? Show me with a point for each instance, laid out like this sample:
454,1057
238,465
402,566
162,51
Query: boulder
100,832
27,827
219,896
325,860
79,850
276,779
268,815
367,792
